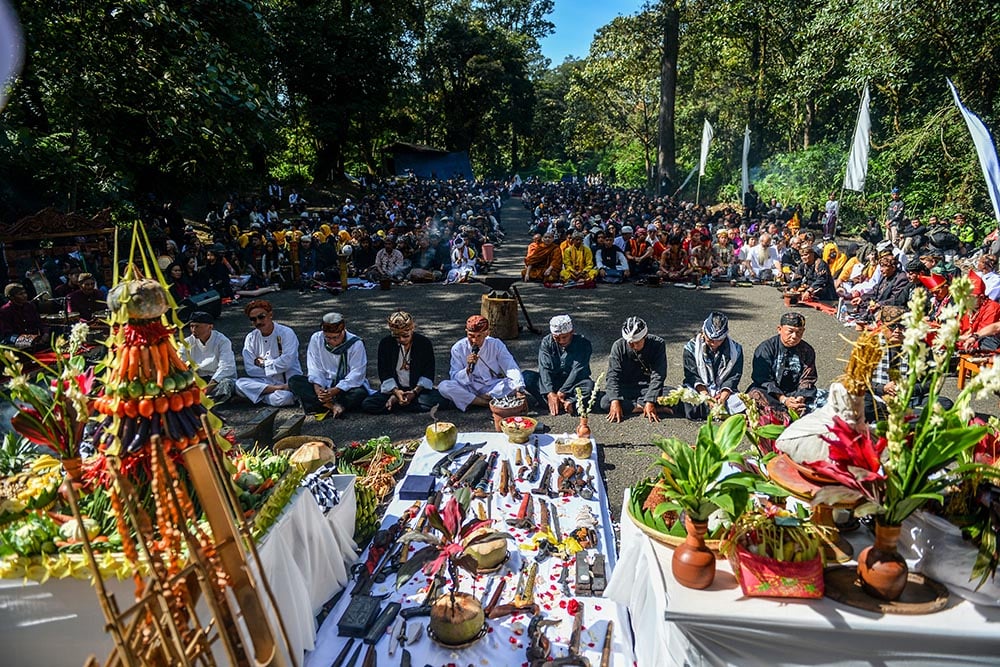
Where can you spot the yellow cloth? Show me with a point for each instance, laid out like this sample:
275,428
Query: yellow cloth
244,240
838,263
279,237
845,270
325,228
578,260
345,236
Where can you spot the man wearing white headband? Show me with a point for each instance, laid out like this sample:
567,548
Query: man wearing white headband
563,367
637,367
713,366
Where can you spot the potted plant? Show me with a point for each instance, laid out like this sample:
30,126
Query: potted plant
456,617
917,454
694,481
775,553
584,407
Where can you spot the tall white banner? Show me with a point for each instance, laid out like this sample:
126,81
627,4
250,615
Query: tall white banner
857,161
984,148
706,140
745,175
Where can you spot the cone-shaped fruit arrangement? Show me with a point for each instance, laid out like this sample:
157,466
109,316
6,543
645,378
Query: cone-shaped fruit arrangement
148,389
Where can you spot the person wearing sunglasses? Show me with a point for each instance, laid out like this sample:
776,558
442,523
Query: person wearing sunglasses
337,367
405,369
270,358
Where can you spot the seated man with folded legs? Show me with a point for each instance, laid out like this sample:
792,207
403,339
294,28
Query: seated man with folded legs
563,367
713,366
338,370
270,358
784,370
212,353
405,369
637,367
481,369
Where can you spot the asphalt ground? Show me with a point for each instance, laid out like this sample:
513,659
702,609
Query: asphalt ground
625,449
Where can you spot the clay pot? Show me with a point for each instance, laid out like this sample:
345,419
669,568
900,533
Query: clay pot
459,623
791,299
499,414
74,468
693,564
583,428
883,572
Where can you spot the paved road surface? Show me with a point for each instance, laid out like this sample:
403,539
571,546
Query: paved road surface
440,312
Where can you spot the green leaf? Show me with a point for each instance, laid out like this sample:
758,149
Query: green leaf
414,564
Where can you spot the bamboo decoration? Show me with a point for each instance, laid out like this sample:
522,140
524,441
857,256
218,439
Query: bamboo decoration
191,571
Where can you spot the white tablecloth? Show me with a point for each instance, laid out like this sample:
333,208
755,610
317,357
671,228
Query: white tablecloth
305,557
505,642
719,626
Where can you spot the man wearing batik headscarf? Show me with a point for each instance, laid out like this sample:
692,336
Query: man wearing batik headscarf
637,367
270,358
337,367
784,369
713,366
405,369
481,369
563,366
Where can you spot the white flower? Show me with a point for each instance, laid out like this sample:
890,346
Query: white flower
987,382
78,336
964,410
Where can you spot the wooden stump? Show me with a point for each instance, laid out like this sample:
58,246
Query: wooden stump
502,314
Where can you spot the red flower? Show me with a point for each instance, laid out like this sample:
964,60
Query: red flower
854,457
987,450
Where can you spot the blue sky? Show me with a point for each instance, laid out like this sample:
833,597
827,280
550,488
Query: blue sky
577,20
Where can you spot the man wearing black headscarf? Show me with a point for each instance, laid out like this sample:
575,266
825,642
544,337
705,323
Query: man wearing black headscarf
784,369
713,366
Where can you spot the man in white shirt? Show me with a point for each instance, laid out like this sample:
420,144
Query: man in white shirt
337,366
764,261
212,354
482,368
986,267
270,358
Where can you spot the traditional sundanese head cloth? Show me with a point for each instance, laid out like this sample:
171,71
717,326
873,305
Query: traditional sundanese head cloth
84,277
477,324
890,315
716,326
201,317
634,329
560,324
255,304
790,319
333,323
13,288
933,281
400,321
978,286
916,266
627,229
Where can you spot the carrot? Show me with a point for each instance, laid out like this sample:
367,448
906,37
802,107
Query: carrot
174,358
134,363
161,361
147,363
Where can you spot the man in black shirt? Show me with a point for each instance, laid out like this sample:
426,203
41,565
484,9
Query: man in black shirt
637,367
784,369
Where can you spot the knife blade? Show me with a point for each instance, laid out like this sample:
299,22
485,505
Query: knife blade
554,521
398,634
339,660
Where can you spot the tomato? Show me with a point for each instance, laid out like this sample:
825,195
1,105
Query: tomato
161,404
120,408
131,409
189,397
146,407
176,402
196,393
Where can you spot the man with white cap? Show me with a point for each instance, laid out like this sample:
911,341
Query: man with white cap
713,366
337,367
563,366
482,368
637,367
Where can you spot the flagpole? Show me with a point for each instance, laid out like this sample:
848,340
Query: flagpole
854,139
697,194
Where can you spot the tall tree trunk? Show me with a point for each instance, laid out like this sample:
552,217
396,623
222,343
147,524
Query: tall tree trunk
666,159
807,130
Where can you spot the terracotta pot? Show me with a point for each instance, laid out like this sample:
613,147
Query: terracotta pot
459,623
791,299
883,572
499,414
583,429
693,564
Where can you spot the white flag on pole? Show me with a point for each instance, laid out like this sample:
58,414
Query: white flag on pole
706,139
984,148
11,50
857,161
745,177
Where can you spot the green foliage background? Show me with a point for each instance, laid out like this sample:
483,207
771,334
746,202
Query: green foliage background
119,98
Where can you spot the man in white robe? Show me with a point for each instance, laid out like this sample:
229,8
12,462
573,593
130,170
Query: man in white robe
212,353
482,368
270,358
337,366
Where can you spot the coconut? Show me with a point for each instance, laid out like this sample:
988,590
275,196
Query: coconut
312,455
489,555
456,624
143,299
441,436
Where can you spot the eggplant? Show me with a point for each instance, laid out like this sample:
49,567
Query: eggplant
154,426
140,438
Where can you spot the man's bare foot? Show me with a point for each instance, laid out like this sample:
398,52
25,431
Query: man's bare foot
637,410
481,401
